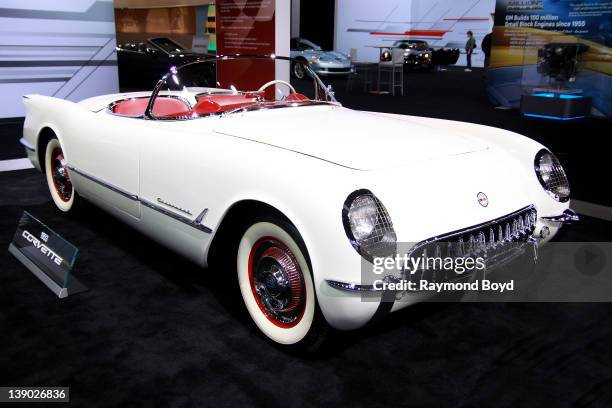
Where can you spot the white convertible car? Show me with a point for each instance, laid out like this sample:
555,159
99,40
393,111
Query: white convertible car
297,189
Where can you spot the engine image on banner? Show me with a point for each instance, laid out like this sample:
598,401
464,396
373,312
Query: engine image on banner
250,27
365,26
561,46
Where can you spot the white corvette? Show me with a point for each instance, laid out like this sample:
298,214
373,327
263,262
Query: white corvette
295,188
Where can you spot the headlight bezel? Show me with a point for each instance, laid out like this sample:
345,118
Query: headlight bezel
539,175
383,223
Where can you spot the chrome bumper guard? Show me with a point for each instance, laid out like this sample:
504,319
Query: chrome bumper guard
567,217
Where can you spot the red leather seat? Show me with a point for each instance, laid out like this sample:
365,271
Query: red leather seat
296,97
164,106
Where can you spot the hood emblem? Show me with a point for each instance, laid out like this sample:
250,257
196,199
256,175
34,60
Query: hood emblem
482,199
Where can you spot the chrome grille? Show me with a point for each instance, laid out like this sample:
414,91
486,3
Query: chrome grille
497,241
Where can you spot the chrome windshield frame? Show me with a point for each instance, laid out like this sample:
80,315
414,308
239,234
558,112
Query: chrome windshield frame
327,99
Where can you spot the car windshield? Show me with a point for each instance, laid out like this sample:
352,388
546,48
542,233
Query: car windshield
167,45
231,84
417,45
310,45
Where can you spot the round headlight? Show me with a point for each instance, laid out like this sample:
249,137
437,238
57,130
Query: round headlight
368,225
551,175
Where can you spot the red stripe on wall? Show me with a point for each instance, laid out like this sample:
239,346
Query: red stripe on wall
420,33
467,19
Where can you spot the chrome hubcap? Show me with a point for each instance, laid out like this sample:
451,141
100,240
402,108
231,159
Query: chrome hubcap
298,70
277,282
60,176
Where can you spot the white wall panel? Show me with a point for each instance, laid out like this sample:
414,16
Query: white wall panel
62,48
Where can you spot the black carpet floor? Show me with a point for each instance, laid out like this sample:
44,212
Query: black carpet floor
155,330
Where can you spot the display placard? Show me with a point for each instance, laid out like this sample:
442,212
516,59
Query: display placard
49,256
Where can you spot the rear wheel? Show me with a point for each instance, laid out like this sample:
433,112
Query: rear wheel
276,284
58,179
299,71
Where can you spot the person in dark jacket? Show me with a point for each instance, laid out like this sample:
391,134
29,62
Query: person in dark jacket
486,48
469,49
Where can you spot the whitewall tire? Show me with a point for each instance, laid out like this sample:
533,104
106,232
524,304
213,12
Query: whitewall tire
58,178
276,283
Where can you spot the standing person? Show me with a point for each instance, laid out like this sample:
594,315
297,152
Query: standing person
486,48
470,45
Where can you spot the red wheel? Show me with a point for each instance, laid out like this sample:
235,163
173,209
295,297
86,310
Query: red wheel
277,282
277,285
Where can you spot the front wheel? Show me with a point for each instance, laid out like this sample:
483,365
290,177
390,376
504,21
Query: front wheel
276,284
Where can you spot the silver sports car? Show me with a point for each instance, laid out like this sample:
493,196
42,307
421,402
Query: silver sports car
321,62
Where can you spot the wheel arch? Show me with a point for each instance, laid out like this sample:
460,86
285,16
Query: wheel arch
237,216
45,134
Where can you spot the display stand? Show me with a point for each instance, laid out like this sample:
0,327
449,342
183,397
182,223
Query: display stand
47,255
551,80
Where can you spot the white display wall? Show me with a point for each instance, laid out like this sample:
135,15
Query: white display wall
61,48
361,24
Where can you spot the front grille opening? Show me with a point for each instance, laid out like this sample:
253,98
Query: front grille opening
497,242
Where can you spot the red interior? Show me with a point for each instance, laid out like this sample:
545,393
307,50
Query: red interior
164,106
296,97
172,107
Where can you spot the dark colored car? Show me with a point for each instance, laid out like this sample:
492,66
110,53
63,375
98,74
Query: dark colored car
142,64
419,54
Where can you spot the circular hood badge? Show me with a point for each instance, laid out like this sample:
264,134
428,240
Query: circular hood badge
482,199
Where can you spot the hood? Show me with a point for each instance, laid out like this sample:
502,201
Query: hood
329,55
354,139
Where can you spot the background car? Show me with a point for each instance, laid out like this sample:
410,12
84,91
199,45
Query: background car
420,55
142,64
321,62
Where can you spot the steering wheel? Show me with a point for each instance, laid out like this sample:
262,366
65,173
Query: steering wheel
277,81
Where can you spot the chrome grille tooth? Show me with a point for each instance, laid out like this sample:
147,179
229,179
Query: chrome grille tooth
520,226
514,229
461,248
471,245
527,223
482,242
500,235
438,251
491,238
508,233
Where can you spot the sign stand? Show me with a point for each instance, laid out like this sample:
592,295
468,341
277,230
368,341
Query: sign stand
47,255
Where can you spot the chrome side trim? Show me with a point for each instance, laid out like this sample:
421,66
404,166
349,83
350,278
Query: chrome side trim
103,183
26,144
567,216
197,223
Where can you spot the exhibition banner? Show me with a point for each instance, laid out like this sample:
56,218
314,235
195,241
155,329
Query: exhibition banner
245,27
530,35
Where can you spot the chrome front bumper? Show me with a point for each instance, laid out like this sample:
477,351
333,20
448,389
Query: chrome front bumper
510,230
